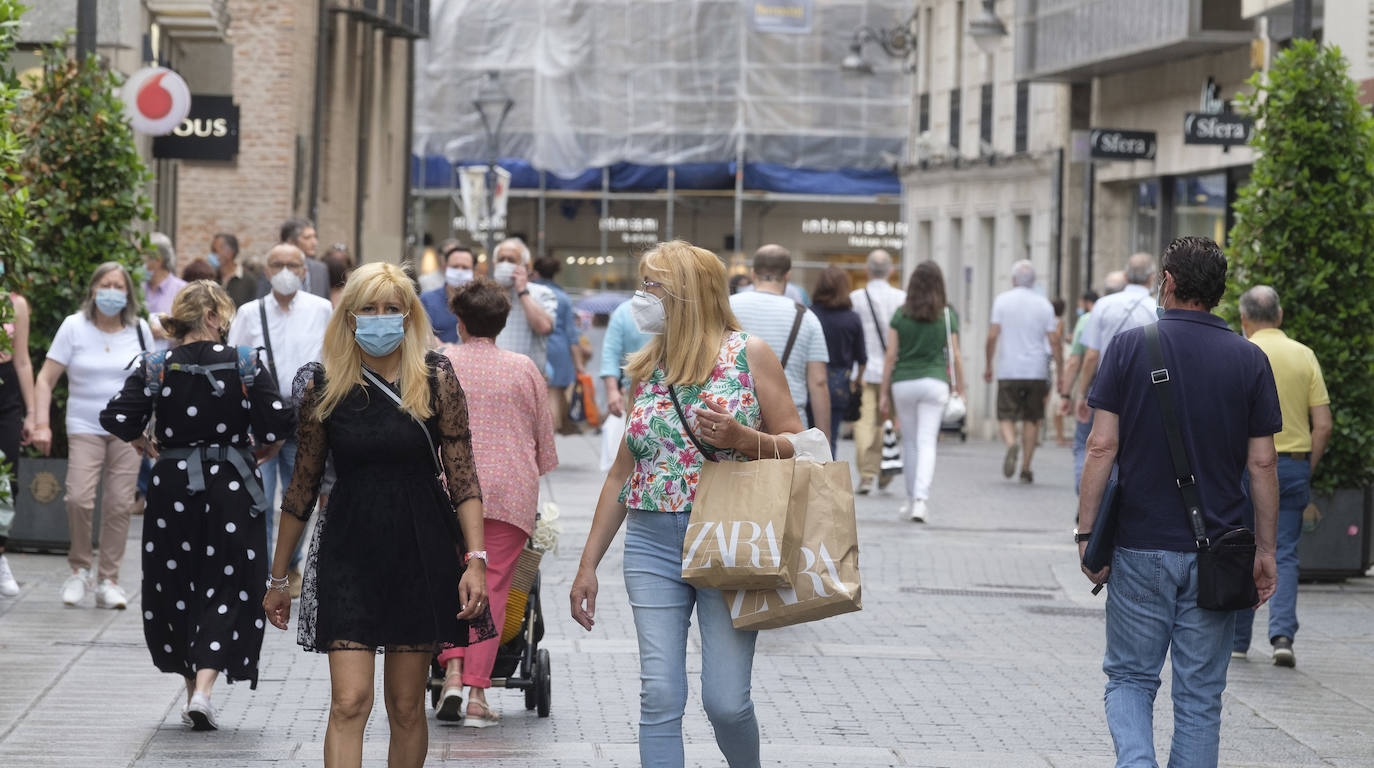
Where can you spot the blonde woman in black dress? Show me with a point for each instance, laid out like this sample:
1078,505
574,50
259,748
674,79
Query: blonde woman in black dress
383,574
204,534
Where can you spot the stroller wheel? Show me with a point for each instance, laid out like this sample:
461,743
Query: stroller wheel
543,683
530,696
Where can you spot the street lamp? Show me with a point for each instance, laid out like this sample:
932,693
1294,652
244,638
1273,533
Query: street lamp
492,104
987,30
899,42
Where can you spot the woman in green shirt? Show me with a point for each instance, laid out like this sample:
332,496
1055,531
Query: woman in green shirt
922,344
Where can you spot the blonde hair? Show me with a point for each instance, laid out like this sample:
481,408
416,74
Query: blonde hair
697,304
191,304
342,359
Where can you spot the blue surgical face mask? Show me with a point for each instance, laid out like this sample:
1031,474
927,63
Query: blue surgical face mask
379,335
213,258
110,301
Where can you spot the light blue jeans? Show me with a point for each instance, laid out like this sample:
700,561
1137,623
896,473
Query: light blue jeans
1081,431
1294,493
662,604
1152,610
283,464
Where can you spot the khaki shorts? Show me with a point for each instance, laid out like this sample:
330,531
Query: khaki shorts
1021,399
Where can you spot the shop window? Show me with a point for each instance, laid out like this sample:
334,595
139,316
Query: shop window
1200,206
1145,218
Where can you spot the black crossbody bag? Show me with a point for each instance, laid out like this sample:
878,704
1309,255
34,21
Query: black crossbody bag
1225,567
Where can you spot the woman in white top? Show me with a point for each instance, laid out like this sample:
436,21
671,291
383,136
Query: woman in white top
94,348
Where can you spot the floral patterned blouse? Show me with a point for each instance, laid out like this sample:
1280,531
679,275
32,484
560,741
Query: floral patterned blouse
667,465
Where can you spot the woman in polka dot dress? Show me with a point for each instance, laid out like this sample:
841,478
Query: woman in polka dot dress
205,555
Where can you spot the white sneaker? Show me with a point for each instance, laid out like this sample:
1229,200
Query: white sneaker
918,511
8,586
74,588
110,595
201,712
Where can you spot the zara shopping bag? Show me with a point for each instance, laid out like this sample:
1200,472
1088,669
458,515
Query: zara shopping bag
741,524
825,572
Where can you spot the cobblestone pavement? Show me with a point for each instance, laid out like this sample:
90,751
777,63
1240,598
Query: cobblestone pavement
979,645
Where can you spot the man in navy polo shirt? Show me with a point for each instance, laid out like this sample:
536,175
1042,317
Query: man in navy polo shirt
1228,411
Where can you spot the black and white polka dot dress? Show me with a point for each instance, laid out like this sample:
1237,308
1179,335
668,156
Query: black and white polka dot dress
205,555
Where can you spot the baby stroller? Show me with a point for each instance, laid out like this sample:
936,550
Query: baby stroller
520,662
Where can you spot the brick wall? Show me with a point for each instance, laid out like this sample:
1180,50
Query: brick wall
273,84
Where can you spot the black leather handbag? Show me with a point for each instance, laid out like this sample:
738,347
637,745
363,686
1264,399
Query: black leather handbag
1225,567
1098,554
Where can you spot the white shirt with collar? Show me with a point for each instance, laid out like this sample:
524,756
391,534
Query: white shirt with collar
297,333
886,301
1128,308
1024,318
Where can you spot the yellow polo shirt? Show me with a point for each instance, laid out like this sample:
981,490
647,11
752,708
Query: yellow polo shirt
1298,376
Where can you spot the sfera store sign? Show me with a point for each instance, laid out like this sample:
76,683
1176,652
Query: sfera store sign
859,233
1113,144
1214,123
210,131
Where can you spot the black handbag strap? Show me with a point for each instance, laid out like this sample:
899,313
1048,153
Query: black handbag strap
792,335
877,326
1183,473
267,337
681,414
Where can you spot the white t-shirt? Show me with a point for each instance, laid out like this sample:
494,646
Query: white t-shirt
297,334
770,317
1023,347
886,301
97,365
1121,311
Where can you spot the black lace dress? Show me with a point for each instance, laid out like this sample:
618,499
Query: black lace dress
384,565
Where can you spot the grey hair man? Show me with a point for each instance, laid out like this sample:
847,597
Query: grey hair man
875,304
1130,307
790,329
1306,411
1114,282
162,285
300,232
1023,336
532,306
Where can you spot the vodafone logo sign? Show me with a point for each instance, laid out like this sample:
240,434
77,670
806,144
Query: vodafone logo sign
156,100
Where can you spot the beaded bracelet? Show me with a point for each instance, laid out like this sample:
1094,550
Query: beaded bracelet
277,585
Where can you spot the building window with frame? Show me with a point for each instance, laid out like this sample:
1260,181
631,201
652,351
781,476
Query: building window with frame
955,96
1022,117
923,113
985,118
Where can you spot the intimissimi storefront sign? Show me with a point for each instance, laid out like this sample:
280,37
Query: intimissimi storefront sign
859,233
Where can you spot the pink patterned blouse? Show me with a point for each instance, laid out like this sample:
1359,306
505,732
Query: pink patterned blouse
512,429
667,464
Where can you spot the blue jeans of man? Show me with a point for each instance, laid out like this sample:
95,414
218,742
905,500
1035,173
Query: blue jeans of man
1080,448
662,604
1152,611
281,466
1294,493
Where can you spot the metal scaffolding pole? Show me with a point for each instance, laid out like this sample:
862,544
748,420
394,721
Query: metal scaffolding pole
543,187
672,199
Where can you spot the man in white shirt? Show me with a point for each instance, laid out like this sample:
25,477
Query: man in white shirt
1023,335
532,306
294,336
875,303
765,312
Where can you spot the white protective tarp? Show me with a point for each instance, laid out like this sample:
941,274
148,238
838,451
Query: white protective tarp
656,82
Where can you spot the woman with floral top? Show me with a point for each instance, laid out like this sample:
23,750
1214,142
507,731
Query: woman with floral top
734,400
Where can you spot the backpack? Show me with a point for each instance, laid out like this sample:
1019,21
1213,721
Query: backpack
156,367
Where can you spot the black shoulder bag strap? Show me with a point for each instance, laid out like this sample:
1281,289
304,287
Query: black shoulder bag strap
681,414
791,336
138,327
267,337
1183,473
877,326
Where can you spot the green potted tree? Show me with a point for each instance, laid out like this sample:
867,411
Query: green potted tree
14,240
1305,225
85,180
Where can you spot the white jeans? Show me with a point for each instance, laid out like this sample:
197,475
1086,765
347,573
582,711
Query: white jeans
920,406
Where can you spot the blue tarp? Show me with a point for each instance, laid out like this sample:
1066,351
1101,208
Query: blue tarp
436,173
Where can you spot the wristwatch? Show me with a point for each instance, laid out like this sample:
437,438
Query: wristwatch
523,292
1079,538
479,554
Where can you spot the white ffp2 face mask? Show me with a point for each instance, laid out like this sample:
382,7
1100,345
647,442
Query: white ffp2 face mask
648,313
286,282
456,276
504,273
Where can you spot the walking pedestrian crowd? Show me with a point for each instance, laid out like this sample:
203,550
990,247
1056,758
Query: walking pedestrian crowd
402,435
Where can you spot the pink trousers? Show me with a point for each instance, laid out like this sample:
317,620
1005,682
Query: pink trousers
504,542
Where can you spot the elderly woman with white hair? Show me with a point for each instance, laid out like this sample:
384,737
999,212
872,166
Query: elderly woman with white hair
532,306
163,285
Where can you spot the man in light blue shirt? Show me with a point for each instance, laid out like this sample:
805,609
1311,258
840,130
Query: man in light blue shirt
622,340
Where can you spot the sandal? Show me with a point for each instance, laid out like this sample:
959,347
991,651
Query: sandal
451,700
486,719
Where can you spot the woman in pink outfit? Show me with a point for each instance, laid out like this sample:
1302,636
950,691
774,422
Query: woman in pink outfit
512,443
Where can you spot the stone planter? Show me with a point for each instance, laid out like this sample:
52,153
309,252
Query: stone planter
40,506
1335,541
